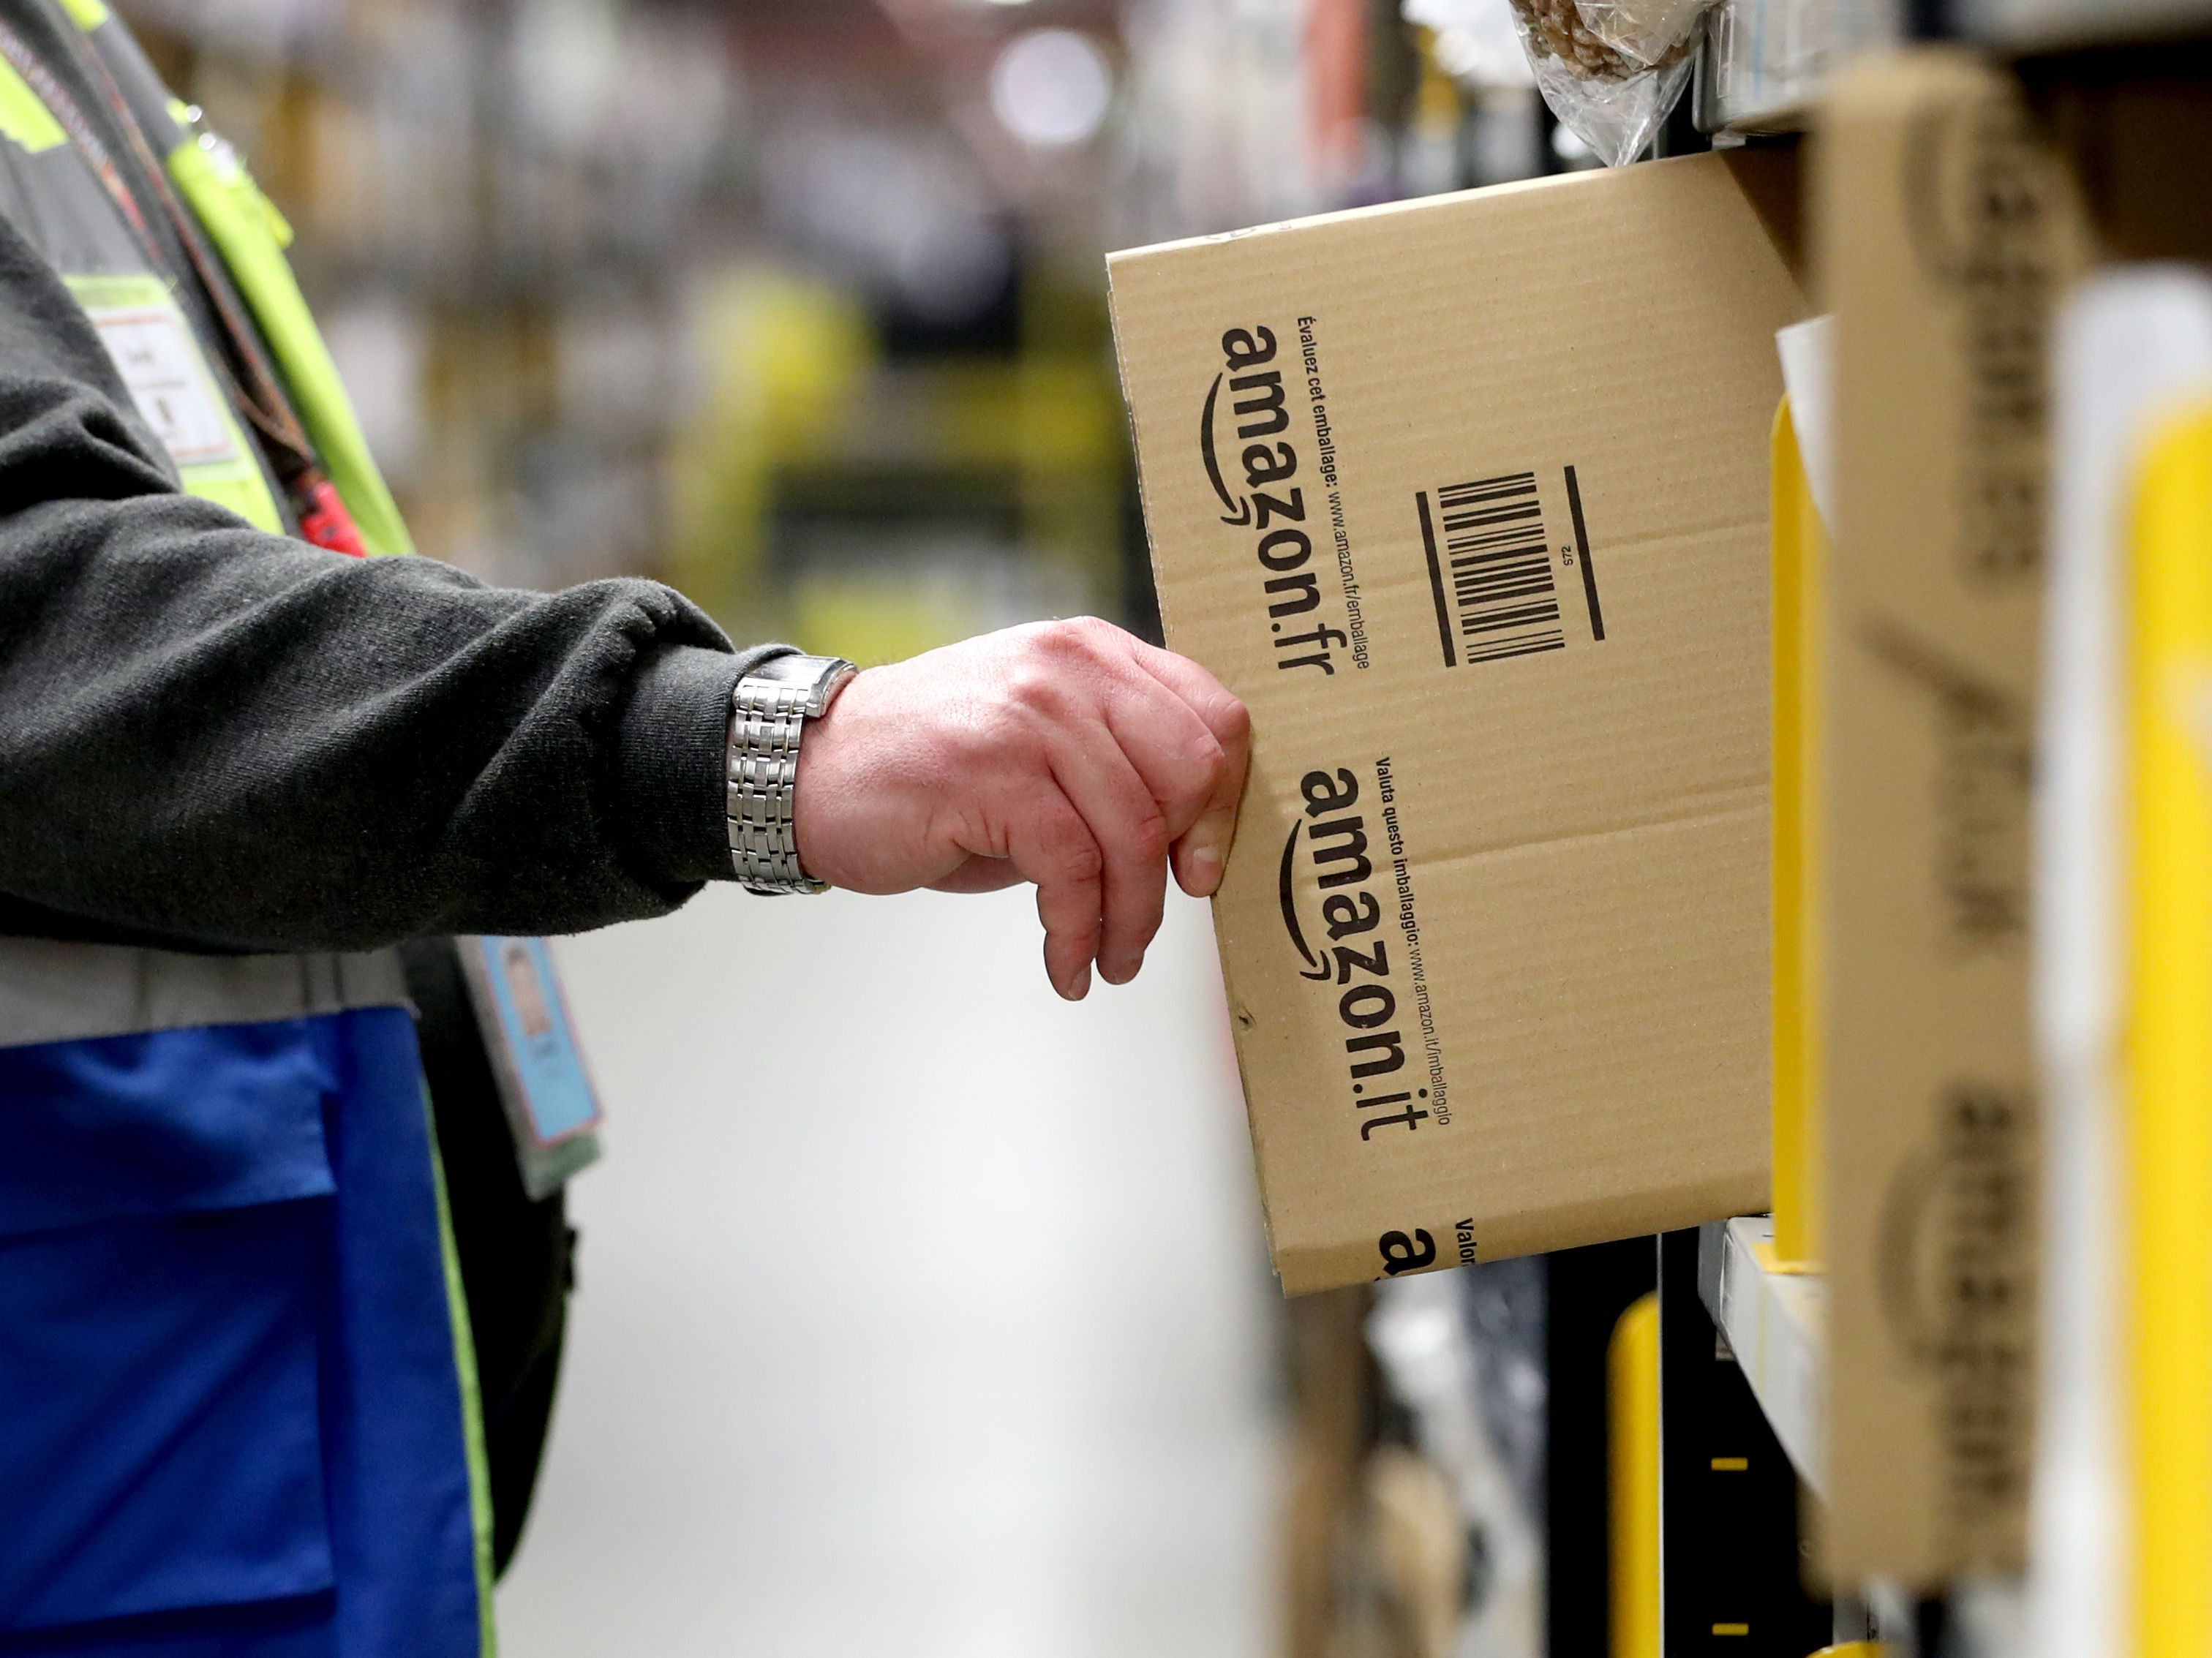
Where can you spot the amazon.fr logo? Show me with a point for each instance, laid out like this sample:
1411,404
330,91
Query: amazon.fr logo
1252,470
1257,403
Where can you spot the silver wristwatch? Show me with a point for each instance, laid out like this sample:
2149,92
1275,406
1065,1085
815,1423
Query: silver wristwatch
768,712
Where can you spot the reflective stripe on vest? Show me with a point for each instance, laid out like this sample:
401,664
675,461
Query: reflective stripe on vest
52,991
250,236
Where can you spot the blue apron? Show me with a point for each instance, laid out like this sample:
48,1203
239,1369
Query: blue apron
234,1412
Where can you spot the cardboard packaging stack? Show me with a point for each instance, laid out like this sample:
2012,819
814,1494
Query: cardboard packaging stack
1947,232
1467,498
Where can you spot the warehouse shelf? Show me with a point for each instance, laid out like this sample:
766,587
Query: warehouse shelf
2052,25
1762,64
1775,1320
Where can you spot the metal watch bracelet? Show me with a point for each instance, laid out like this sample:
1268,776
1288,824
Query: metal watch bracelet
768,710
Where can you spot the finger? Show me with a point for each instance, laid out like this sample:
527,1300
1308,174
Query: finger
1175,755
1202,850
1126,824
1049,844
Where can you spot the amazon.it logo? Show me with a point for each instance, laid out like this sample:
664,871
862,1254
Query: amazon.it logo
1344,945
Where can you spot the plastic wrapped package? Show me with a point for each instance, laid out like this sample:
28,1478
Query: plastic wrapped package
1611,69
1652,32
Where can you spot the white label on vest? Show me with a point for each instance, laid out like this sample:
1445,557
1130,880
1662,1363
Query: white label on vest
162,369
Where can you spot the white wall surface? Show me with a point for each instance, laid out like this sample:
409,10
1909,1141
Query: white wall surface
920,1313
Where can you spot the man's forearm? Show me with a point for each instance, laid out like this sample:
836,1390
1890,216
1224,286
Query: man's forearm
226,739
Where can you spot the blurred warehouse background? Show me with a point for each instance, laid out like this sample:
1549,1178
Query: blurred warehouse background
955,1335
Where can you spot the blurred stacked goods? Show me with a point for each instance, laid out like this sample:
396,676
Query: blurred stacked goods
1418,1502
496,211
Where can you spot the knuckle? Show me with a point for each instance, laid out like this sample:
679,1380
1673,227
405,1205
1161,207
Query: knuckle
1208,760
1084,640
1062,639
1146,841
1078,859
1037,689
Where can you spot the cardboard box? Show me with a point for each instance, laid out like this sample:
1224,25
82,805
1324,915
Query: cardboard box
1945,234
1466,497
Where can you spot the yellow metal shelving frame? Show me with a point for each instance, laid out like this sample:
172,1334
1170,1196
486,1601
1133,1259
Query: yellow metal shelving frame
2166,1047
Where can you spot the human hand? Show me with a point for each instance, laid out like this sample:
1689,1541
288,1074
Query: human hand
1067,753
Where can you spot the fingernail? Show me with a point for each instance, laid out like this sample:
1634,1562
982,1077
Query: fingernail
1204,870
1082,984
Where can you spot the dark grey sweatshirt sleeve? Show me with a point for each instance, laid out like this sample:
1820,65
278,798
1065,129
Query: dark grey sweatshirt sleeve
218,738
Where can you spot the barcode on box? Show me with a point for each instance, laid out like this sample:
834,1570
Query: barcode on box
1490,567
1489,564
